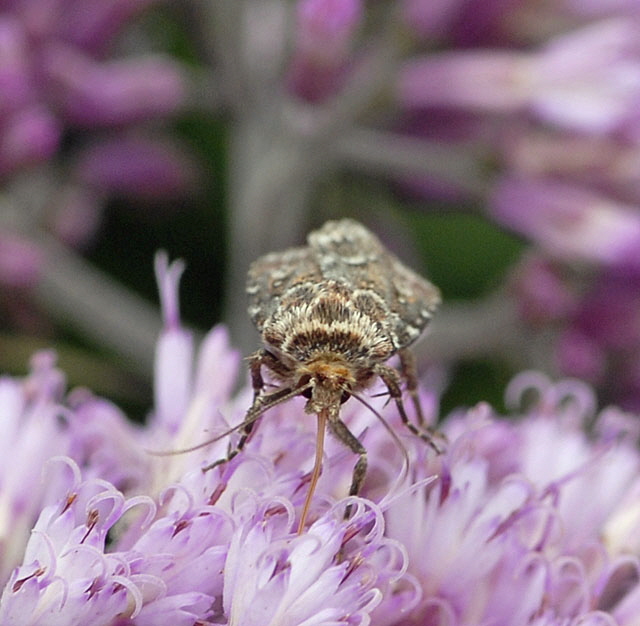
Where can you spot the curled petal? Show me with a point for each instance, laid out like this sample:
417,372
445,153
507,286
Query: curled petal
113,510
133,592
524,383
173,495
76,477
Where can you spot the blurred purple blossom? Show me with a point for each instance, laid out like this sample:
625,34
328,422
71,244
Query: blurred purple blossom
28,137
570,223
20,261
114,93
594,319
554,111
92,24
324,39
136,166
527,521
46,69
542,293
525,112
63,73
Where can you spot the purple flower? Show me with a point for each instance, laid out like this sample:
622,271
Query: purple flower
68,579
57,77
604,328
548,110
17,84
543,293
75,131
51,78
521,506
569,222
136,167
34,428
114,93
20,261
325,32
594,322
304,581
603,165
524,521
588,80
595,92
325,28
430,19
93,24
27,137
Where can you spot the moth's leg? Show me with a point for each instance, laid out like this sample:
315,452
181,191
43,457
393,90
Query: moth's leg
259,359
392,380
245,433
255,369
409,371
340,430
256,361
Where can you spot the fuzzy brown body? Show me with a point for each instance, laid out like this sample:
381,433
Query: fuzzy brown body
330,315
343,300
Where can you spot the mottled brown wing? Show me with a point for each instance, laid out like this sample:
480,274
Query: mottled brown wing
415,301
272,275
347,252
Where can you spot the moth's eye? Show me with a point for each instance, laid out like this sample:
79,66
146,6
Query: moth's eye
345,396
304,380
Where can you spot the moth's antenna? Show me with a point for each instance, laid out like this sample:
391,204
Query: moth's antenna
262,404
405,455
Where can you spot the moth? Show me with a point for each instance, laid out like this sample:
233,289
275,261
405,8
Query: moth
330,314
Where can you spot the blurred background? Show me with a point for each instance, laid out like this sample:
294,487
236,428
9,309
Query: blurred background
494,145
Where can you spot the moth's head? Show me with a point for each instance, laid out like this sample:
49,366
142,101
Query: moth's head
328,379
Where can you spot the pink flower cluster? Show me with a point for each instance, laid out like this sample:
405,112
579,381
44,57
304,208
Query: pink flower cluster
531,520
71,104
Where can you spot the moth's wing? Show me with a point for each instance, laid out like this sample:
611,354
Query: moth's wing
347,252
272,275
414,301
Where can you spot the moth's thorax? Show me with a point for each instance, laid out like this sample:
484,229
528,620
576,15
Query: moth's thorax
329,318
330,367
332,379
